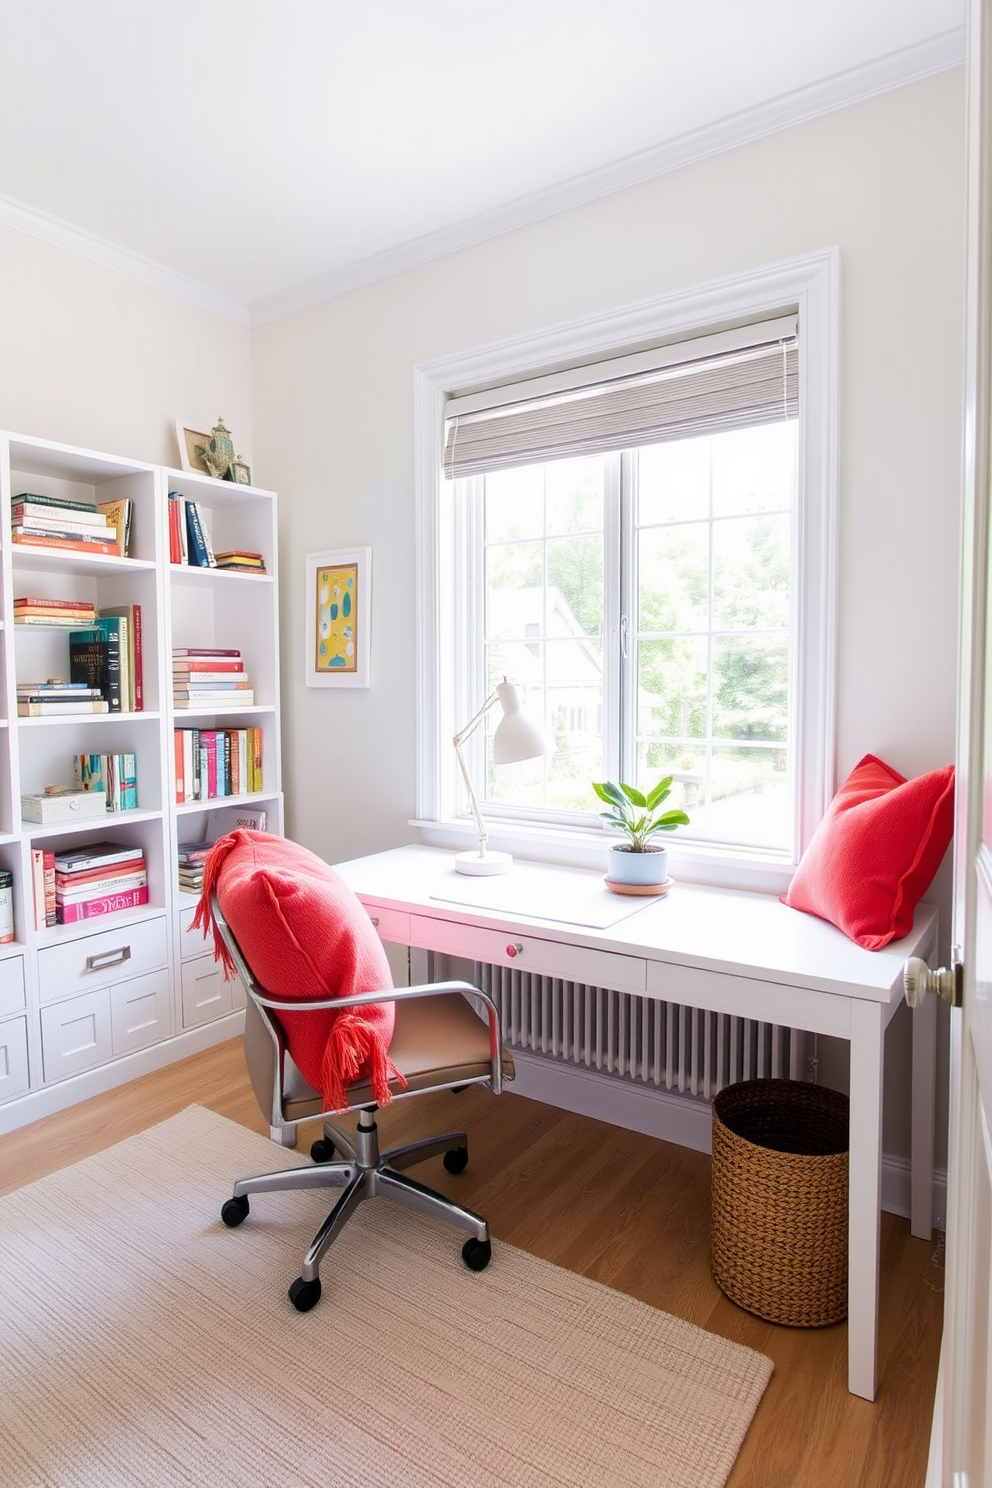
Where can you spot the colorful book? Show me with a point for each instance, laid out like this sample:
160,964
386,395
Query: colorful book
54,621
199,552
224,819
75,860
48,869
75,545
46,708
89,909
56,501
42,690
131,614
101,875
179,652
29,606
175,547
38,887
118,514
61,524
67,892
207,702
106,666
205,679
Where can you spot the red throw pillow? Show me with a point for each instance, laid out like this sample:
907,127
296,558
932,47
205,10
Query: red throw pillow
874,854
305,934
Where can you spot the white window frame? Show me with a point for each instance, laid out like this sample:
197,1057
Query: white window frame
808,285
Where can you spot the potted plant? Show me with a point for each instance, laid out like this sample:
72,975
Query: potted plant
638,861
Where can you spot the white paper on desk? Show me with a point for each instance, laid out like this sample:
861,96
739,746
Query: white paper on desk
571,897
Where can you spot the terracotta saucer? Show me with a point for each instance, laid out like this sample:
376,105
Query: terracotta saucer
625,888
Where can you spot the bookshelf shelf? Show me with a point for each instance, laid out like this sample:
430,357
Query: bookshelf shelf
183,1002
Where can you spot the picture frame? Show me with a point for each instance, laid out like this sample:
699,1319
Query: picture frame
240,473
187,440
338,599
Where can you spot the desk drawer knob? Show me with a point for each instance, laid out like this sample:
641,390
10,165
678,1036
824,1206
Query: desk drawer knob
514,949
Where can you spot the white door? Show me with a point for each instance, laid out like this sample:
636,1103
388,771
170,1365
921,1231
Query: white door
963,1432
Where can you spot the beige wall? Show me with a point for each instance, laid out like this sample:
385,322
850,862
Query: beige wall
334,431
92,358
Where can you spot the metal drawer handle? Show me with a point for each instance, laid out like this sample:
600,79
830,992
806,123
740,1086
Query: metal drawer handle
103,959
516,949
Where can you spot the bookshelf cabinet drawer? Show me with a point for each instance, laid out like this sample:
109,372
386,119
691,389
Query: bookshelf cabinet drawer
76,1035
112,955
206,995
192,943
11,985
13,1058
139,1012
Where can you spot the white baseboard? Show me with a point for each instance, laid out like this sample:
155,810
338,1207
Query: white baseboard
682,1119
47,1100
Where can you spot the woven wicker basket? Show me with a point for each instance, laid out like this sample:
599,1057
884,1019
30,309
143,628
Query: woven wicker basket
779,1230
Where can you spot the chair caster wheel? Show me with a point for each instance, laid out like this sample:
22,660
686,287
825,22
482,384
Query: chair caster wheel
305,1294
477,1254
234,1211
322,1150
456,1160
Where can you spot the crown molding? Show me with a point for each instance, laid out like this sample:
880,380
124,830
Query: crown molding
62,234
909,65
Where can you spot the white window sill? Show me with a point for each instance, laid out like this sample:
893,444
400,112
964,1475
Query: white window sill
691,864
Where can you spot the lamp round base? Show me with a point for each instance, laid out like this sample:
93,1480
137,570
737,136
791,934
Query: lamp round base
482,866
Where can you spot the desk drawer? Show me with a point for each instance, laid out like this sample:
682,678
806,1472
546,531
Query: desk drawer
530,953
109,956
392,924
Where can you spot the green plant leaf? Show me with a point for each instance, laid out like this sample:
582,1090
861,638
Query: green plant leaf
661,792
610,793
634,796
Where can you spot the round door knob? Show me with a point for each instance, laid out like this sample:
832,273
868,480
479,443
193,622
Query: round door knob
514,949
918,980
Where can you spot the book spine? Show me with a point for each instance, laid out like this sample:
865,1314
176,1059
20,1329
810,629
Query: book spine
80,546
88,909
6,905
228,763
175,551
48,709
139,682
197,547
61,503
32,607
208,678
209,737
183,530
179,762
257,731
97,662
83,861
48,867
96,876
129,787
38,887
204,531
46,520
99,888
179,652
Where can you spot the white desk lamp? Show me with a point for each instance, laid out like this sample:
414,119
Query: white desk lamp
515,738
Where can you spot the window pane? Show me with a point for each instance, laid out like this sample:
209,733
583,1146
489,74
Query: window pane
750,688
515,503
673,578
515,597
754,469
575,495
672,687
751,568
750,796
674,481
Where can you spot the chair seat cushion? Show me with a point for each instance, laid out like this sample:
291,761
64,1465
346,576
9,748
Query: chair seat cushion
874,854
305,934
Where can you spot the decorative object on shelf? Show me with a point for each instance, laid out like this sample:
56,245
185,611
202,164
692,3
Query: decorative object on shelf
57,803
638,860
515,738
239,471
190,442
217,451
338,618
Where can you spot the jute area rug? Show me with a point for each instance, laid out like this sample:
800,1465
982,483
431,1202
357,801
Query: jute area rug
143,1343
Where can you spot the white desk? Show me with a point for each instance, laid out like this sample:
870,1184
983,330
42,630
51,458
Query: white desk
721,950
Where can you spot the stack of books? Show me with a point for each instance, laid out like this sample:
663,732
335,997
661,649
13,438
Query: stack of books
98,879
203,678
114,774
239,560
192,856
217,762
64,613
189,535
107,654
81,526
57,699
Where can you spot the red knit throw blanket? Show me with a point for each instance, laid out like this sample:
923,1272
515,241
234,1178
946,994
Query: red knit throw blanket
305,935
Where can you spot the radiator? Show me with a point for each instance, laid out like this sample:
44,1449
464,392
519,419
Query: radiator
635,1038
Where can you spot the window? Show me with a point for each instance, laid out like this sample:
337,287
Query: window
644,545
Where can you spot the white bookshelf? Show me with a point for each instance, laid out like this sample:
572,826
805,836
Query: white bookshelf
87,1006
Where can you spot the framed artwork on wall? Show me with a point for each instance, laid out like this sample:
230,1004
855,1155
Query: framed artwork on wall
339,609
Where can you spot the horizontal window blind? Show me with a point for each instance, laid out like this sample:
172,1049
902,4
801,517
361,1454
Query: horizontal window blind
629,401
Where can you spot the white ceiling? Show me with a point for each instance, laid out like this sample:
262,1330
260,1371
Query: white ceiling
257,155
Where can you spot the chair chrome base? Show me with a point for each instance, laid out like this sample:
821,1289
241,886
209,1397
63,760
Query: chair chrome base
362,1173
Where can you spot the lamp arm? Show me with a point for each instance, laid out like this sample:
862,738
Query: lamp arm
458,741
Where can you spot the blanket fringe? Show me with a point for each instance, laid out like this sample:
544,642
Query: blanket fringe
204,917
352,1046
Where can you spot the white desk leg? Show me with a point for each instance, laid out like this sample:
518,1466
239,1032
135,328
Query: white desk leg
865,1195
921,1139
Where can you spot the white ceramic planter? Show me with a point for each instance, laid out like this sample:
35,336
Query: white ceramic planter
627,867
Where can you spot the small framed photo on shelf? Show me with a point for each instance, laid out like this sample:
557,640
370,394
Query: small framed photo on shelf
189,441
339,610
239,472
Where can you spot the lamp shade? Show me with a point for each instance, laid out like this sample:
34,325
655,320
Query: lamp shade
515,737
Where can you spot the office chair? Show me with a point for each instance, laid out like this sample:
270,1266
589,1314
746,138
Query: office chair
438,1043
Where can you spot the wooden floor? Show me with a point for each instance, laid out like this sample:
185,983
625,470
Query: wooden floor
625,1209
